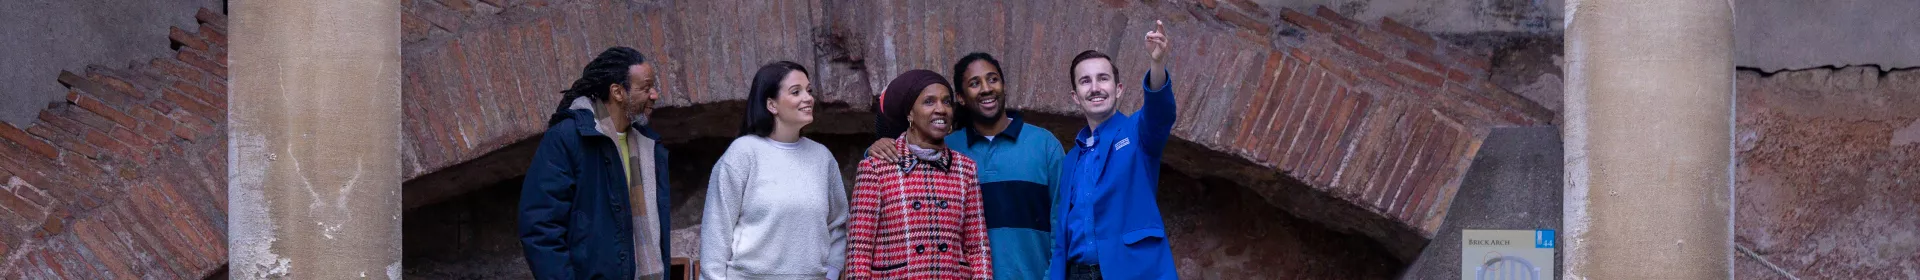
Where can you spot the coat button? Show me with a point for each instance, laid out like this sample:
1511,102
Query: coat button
916,205
943,204
920,248
943,247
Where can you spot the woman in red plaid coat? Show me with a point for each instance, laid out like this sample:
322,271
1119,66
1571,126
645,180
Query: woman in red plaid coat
918,217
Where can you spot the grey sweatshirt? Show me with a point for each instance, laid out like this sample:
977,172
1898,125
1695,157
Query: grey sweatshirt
774,211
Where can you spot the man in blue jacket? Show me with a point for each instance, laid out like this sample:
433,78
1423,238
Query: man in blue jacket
1107,223
594,203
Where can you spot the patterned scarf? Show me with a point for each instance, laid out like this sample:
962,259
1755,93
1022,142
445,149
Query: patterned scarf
934,157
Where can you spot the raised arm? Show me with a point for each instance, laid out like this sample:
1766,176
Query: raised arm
1158,112
1157,50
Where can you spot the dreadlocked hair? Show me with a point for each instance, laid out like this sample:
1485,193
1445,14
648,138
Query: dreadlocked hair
607,69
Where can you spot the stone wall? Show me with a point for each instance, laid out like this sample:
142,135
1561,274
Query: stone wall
45,37
1513,185
1829,173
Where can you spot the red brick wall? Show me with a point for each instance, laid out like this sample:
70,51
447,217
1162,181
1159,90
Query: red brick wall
127,177
481,76
1391,115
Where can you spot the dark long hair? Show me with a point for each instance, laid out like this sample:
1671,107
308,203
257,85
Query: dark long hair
766,86
608,68
967,116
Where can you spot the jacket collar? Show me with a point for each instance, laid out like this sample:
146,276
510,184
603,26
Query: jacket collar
582,109
583,116
1090,137
908,161
1012,131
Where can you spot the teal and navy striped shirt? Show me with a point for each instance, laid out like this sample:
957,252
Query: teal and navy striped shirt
1019,174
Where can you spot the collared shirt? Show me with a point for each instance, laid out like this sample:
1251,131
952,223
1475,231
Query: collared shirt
1110,216
1080,192
1082,189
1019,176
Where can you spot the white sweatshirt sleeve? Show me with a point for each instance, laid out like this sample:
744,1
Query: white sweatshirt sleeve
724,190
836,223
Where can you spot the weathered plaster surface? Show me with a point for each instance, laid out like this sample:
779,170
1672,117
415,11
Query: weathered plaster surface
1648,112
316,114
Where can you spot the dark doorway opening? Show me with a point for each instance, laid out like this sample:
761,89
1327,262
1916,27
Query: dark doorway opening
1220,229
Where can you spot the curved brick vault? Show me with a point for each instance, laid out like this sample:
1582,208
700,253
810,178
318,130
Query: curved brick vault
126,178
1363,127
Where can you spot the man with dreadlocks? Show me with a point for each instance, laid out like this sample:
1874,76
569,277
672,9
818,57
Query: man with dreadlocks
594,203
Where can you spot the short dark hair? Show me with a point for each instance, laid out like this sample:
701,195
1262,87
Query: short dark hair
608,68
960,69
1090,54
966,117
766,85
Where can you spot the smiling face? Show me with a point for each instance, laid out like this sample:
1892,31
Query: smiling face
982,91
1094,88
792,104
932,114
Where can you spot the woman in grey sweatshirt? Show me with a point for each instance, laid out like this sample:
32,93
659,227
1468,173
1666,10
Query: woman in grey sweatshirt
776,207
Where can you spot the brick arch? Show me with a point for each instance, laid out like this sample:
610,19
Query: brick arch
1365,127
126,178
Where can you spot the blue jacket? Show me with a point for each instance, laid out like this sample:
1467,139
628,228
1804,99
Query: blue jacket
1019,172
574,220
1127,230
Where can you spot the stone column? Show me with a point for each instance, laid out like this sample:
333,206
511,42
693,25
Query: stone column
314,140
1649,119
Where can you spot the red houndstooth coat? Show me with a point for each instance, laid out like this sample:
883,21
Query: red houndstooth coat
925,223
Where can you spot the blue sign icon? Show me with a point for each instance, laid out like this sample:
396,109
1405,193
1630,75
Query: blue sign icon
1543,238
